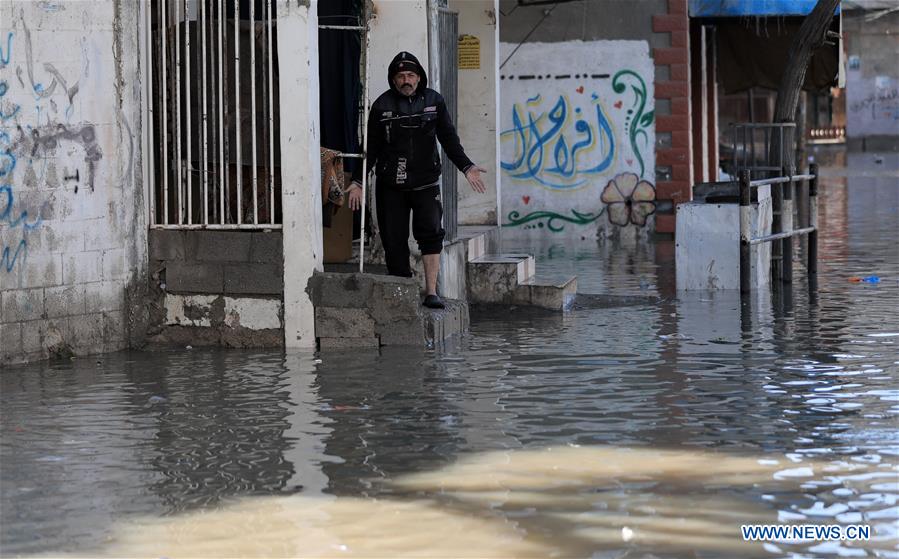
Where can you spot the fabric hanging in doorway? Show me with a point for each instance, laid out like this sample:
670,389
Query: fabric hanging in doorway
339,82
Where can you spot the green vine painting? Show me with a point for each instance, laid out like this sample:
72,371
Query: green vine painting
638,118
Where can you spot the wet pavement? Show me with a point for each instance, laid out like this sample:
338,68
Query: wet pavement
651,428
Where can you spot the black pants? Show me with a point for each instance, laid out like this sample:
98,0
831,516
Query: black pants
393,219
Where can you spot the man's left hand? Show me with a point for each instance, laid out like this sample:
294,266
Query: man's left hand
473,175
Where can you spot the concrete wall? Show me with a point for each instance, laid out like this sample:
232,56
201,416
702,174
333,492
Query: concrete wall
585,20
72,207
217,262
477,107
577,139
872,81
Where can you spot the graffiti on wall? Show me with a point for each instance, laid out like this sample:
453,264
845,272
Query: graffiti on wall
17,224
553,147
566,138
880,104
40,148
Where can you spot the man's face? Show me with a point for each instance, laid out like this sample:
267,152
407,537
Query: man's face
406,82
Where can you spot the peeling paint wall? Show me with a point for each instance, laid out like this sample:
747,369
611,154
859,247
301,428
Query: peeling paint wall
220,320
72,219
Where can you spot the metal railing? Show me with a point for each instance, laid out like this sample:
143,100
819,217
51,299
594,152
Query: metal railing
763,148
782,230
210,170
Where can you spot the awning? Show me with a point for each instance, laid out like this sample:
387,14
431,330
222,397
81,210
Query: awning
751,8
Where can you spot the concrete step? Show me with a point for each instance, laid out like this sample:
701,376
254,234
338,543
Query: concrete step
553,295
509,279
494,278
353,267
366,310
479,240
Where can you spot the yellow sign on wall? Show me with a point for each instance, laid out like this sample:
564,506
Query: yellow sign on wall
469,52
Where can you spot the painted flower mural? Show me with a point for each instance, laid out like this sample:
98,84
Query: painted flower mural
629,200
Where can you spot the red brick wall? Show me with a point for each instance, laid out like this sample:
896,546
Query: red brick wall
677,89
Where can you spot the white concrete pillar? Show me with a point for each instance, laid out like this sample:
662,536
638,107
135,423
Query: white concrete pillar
300,164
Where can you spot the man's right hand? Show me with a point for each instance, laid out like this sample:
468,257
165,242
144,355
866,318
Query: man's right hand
354,196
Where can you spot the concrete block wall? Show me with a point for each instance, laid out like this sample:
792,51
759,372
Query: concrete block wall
72,206
217,288
362,310
218,262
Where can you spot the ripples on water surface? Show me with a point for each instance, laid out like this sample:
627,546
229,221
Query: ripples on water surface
633,431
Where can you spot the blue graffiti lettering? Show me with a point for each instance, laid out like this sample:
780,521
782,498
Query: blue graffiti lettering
7,158
8,256
4,87
4,59
6,214
8,262
548,152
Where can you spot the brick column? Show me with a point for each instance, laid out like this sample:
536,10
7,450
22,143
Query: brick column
674,170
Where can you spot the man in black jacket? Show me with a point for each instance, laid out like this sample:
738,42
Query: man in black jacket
403,125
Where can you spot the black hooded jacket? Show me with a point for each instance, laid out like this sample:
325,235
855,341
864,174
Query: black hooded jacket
402,133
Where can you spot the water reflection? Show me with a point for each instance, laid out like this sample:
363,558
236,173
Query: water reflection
653,428
551,502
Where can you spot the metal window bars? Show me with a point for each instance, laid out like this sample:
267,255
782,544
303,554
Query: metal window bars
215,163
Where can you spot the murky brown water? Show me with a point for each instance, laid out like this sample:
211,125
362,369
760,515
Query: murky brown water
636,431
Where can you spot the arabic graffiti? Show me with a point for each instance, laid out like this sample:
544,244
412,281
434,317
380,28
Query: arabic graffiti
43,141
11,220
4,60
637,120
547,150
565,134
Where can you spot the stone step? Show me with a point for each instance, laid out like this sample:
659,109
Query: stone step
494,278
366,310
509,279
553,295
479,240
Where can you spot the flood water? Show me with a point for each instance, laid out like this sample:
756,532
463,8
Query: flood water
631,430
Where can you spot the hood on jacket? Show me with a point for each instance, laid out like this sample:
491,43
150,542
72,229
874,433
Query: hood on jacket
406,61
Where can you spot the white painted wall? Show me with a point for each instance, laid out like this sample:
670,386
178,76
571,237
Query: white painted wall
300,165
477,108
397,25
560,159
73,238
